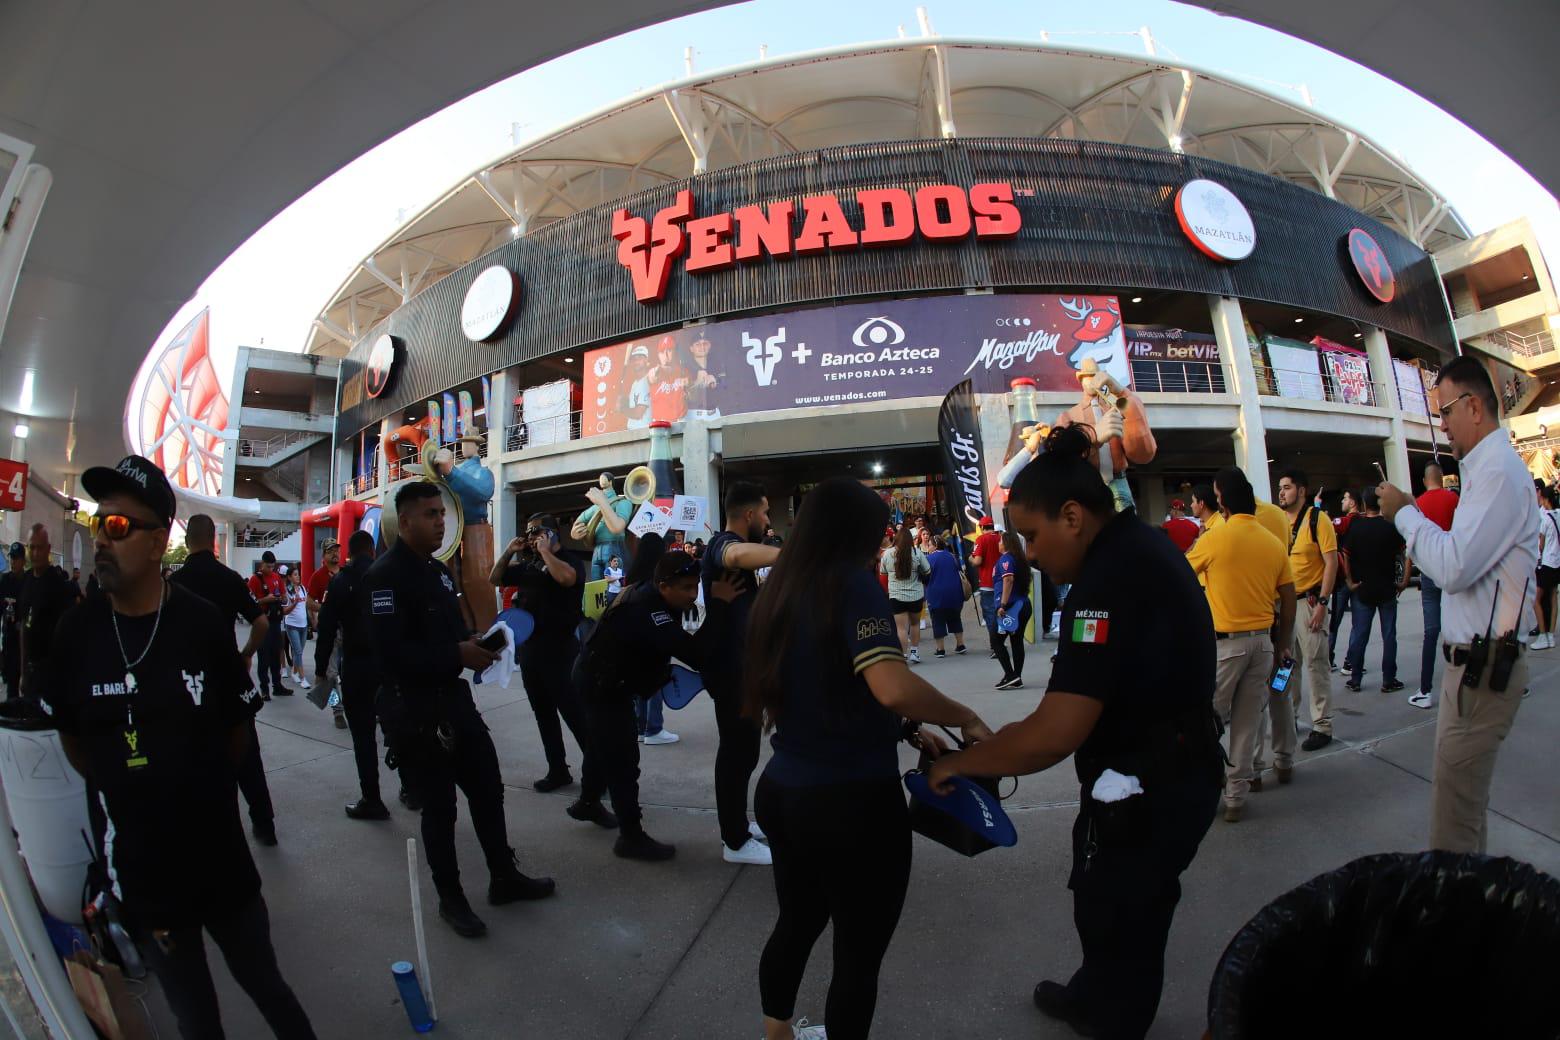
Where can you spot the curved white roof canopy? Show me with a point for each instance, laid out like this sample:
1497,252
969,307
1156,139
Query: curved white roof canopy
918,88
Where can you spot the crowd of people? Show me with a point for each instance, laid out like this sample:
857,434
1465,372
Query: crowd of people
155,703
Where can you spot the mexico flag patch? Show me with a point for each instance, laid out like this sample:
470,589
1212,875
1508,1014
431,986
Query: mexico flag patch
1091,629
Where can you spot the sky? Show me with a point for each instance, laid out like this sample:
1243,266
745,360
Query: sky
302,256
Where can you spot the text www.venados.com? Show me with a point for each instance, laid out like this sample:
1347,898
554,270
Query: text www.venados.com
862,395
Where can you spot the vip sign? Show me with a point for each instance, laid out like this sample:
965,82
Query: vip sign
888,217
13,485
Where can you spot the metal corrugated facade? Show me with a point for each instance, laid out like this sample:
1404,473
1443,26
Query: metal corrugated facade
1101,216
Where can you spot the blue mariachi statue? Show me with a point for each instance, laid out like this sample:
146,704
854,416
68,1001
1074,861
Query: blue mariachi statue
471,481
473,485
605,525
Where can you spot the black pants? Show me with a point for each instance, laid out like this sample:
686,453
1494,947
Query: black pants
735,760
1341,600
1124,898
1012,662
614,753
357,699
244,937
11,661
546,669
841,854
251,781
433,774
271,655
1048,600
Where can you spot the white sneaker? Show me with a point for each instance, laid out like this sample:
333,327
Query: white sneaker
663,737
758,832
1420,699
753,853
302,682
915,655
1544,641
802,1031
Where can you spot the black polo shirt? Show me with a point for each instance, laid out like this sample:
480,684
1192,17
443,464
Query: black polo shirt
556,608
204,575
44,600
723,673
174,840
1137,636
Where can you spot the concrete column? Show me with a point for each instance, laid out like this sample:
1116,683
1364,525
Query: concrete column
381,466
700,478
1250,435
1395,447
502,512
996,426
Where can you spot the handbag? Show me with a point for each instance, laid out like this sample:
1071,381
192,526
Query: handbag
947,830
964,585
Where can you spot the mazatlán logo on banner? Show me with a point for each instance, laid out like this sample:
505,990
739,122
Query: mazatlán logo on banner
854,353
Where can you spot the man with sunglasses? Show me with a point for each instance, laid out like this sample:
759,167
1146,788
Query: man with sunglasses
551,581
205,576
435,734
1484,567
47,593
153,706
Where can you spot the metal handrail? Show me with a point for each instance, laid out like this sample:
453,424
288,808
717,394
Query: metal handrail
1178,377
1531,345
250,448
519,435
1314,386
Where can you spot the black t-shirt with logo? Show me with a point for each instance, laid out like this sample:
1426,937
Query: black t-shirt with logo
159,751
556,608
830,728
44,600
204,575
1373,545
1150,660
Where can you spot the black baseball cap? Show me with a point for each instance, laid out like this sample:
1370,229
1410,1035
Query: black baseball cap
137,478
17,551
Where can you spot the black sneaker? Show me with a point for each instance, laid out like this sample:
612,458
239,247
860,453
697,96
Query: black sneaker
592,812
961,649
553,781
509,885
457,913
1015,683
1316,741
265,695
367,809
265,834
283,691
639,845
1057,1000
1392,687
410,800
940,653
1352,686
1001,684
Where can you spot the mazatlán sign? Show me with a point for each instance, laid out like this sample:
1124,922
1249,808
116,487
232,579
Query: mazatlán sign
889,216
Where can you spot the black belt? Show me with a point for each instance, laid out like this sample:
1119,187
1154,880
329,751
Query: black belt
1242,635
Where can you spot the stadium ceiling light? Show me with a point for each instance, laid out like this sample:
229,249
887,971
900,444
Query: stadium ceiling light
877,468
21,431
26,402
1137,299
568,361
1299,320
1357,335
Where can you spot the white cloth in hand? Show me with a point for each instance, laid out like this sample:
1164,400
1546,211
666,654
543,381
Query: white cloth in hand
503,669
1113,787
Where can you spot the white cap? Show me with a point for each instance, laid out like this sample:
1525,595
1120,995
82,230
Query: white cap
282,570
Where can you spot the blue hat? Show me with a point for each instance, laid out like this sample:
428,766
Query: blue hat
684,687
970,804
520,622
1008,623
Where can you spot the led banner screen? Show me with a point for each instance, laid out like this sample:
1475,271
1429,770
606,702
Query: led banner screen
887,350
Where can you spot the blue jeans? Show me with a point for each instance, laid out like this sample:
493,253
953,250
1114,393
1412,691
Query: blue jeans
295,637
1430,601
649,714
1359,633
988,608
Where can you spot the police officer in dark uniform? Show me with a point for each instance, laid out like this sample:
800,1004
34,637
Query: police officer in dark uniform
436,736
204,575
345,610
1131,691
10,596
153,706
47,593
628,655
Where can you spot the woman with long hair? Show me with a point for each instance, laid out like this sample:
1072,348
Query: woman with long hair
907,569
1012,594
826,675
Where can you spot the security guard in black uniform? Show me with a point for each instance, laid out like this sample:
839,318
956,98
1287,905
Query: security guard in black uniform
436,736
11,634
1131,691
629,655
345,610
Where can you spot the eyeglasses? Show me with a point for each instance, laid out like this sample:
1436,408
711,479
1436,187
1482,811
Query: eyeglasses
1446,409
117,527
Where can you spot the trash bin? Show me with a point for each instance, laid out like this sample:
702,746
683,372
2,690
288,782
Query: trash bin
1432,944
47,800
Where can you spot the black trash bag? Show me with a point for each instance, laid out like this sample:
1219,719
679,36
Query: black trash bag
1421,945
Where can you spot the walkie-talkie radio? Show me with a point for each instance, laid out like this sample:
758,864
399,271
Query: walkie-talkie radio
1479,648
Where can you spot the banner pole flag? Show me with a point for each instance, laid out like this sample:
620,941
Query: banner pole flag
964,466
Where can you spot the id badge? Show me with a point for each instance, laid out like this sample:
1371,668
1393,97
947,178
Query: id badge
134,758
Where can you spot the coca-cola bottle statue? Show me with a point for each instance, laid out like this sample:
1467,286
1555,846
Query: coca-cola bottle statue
667,486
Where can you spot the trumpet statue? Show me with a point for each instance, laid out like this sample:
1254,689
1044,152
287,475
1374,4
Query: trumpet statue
604,524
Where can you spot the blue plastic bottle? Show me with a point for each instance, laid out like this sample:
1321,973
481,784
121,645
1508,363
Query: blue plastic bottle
412,996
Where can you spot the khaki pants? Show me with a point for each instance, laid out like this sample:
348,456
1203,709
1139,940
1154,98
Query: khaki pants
1244,666
1280,713
1468,734
1310,651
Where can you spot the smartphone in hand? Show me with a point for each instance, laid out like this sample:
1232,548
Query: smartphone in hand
1281,676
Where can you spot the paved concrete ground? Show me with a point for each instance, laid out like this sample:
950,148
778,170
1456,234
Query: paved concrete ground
631,950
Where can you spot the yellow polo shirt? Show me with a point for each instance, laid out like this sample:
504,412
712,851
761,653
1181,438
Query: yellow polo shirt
1305,559
1274,519
1243,566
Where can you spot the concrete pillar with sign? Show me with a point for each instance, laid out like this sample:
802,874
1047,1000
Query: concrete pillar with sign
996,426
1384,387
1240,375
700,478
504,513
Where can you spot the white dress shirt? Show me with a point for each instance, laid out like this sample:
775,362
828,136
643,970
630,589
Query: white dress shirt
1494,539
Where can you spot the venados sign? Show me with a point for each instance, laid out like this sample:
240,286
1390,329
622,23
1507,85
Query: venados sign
889,216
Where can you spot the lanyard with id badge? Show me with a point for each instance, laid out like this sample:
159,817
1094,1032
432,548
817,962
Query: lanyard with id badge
135,758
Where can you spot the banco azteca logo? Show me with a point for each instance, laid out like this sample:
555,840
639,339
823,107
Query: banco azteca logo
877,332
